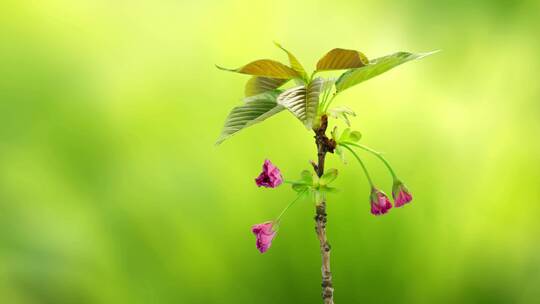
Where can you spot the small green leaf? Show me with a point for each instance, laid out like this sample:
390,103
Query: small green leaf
307,177
306,181
344,135
266,68
328,189
328,177
354,136
257,85
300,187
341,112
256,109
375,67
339,151
295,64
339,59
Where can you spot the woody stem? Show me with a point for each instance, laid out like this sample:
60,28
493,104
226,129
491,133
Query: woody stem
324,145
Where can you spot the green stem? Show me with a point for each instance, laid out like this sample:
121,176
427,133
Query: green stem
312,75
378,155
289,206
329,102
325,100
361,164
325,97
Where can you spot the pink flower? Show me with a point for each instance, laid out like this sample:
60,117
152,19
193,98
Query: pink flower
264,233
401,194
270,177
380,204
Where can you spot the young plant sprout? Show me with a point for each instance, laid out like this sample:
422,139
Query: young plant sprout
310,100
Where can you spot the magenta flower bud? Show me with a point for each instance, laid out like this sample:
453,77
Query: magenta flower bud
264,233
401,194
270,177
380,204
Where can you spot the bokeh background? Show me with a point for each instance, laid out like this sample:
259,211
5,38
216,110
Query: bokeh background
111,190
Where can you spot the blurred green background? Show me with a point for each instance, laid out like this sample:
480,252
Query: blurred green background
111,190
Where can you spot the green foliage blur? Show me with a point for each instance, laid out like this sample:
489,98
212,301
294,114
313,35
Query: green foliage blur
112,191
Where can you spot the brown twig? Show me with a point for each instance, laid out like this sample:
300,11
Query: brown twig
324,145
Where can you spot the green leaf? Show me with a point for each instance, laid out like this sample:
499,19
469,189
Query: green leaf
375,67
302,101
344,135
306,181
354,136
339,59
341,112
300,187
257,85
307,177
256,109
266,68
349,136
339,151
328,177
328,189
295,64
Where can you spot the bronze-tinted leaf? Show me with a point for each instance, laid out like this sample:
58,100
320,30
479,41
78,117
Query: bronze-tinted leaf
266,68
295,64
339,59
257,85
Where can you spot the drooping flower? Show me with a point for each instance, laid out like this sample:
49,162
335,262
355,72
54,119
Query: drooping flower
380,204
264,233
270,177
401,194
